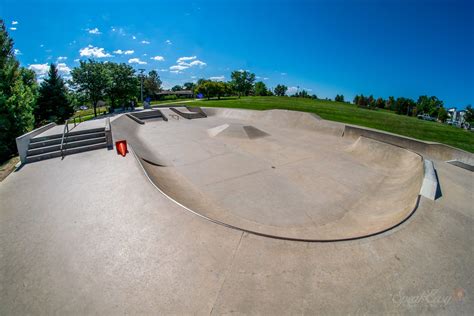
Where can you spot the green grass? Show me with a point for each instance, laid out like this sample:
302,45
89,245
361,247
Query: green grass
351,114
90,112
169,101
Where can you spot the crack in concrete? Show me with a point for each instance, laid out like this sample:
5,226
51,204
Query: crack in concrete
227,272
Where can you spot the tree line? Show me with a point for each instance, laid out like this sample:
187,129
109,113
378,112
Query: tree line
428,105
25,104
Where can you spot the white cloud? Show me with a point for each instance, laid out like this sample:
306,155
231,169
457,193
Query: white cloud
124,52
63,68
145,42
94,31
39,69
42,45
14,22
134,37
193,77
77,60
217,78
265,78
182,64
283,73
158,58
197,63
163,70
168,42
291,90
91,51
17,52
184,59
13,28
136,61
62,58
178,67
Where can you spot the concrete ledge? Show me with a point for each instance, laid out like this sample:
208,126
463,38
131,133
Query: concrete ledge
429,188
434,150
23,141
108,134
136,119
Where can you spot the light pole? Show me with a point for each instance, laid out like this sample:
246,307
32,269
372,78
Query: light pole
141,84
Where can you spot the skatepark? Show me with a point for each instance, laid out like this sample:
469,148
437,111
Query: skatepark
214,211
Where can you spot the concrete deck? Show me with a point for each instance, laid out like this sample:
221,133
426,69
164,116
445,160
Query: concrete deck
58,129
91,234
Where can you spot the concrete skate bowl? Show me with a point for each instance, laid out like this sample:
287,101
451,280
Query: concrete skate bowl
281,174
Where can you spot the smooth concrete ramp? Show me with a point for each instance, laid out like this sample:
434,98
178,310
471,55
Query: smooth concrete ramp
237,131
301,182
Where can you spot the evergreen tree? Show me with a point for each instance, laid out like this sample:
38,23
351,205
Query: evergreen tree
17,97
53,103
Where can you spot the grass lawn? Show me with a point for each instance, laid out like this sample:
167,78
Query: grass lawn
351,114
169,101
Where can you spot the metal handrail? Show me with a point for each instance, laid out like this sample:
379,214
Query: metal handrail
66,128
66,132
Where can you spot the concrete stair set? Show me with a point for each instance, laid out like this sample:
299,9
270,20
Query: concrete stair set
45,147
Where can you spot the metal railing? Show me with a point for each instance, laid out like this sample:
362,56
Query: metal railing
66,131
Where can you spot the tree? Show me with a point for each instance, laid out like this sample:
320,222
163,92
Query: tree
380,103
17,97
91,78
362,101
53,103
189,86
210,89
122,83
356,99
404,106
302,94
390,104
371,102
152,83
280,90
339,98
442,115
429,105
260,89
177,88
469,115
242,82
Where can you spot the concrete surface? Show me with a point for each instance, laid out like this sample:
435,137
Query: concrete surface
430,149
258,178
93,236
23,141
58,129
430,185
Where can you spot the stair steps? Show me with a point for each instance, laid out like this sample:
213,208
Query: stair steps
46,147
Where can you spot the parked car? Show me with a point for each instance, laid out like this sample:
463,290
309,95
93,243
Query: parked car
83,107
426,117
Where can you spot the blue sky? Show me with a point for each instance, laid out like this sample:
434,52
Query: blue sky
399,48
